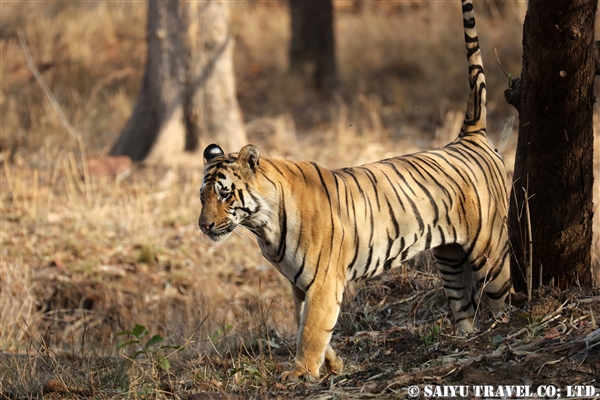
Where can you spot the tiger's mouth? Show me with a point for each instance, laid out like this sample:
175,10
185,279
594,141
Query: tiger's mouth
220,234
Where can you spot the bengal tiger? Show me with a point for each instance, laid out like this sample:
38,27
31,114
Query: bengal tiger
322,228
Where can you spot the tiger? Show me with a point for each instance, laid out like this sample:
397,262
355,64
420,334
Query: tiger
322,228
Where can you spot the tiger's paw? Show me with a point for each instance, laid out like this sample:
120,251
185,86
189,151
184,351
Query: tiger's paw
465,327
297,374
333,362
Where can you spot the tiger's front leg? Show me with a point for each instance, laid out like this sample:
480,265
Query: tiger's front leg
316,315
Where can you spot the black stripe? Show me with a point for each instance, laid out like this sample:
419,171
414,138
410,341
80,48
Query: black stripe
456,289
412,203
289,169
396,192
393,218
299,273
356,242
299,242
450,262
492,168
387,265
270,181
451,273
330,212
468,23
240,193
467,7
244,209
283,222
301,171
316,272
371,234
455,153
358,186
466,307
451,165
421,171
436,211
273,165
442,236
337,192
373,179
500,293
428,237
374,270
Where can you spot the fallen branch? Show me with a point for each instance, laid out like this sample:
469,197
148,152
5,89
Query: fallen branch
426,374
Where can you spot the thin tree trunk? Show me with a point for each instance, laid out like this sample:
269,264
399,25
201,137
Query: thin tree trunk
159,109
554,159
313,41
188,97
211,109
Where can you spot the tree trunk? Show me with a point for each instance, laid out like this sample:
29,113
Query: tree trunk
312,42
553,177
211,109
188,96
158,113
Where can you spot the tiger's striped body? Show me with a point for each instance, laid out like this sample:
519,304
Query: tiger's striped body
322,228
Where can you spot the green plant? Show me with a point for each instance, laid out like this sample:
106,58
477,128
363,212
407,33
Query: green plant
150,349
146,254
248,371
431,337
220,332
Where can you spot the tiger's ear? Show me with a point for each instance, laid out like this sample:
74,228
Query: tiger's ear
248,156
212,151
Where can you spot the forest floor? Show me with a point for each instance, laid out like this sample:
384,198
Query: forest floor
395,335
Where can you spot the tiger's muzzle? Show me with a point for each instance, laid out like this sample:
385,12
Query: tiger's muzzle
214,232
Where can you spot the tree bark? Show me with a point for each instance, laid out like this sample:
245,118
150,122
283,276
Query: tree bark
158,111
211,109
597,57
188,97
554,159
313,42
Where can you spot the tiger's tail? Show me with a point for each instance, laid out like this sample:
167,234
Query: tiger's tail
475,117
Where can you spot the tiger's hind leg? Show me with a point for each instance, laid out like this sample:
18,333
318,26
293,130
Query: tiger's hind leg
459,286
496,290
492,271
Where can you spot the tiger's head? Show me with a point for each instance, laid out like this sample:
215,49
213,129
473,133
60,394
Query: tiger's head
230,194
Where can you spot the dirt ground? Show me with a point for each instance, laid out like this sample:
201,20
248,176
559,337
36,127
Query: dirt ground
555,343
395,334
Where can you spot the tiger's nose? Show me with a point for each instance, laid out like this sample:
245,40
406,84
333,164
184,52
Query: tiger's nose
206,227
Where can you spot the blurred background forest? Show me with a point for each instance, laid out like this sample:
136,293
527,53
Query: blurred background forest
82,259
401,67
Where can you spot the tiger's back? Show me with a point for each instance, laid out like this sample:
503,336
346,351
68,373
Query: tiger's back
322,228
371,218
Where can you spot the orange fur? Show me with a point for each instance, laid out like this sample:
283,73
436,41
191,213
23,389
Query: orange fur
322,228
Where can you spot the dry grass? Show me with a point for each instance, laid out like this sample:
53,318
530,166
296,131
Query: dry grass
83,259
